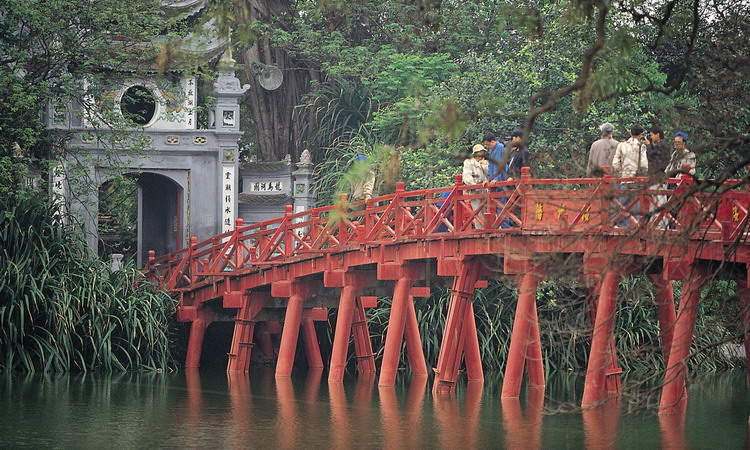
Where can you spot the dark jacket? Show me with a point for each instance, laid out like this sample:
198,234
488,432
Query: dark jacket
518,158
658,157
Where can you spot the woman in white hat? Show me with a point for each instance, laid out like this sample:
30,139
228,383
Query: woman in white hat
475,172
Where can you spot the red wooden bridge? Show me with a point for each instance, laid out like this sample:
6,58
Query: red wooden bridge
282,275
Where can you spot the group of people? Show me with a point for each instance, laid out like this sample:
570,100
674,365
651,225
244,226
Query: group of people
493,160
640,155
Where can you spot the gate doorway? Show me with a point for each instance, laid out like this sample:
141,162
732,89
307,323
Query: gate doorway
138,213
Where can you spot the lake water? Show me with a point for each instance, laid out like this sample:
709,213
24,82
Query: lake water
214,411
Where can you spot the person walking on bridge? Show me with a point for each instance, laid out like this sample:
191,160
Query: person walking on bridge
630,160
602,151
495,149
682,160
516,156
475,172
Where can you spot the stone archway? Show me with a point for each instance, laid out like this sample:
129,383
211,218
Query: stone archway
160,215
156,221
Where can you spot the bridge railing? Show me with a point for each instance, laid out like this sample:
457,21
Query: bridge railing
606,205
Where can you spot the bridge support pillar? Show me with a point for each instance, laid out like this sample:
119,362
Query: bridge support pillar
525,342
398,322
297,292
674,392
602,373
198,327
350,314
664,295
362,343
244,330
311,345
458,331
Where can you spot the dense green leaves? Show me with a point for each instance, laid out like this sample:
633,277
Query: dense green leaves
62,310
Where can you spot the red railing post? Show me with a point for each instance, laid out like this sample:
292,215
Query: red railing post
524,186
398,213
150,259
288,230
238,256
458,205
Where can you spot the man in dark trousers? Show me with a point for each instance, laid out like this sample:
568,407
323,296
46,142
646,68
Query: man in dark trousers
516,156
658,152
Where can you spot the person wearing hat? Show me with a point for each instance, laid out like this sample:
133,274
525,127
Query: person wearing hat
516,156
475,167
475,172
602,151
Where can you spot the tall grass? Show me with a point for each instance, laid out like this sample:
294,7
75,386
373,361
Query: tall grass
63,310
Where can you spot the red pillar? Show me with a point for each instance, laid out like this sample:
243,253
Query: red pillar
534,358
341,335
413,341
244,331
522,331
289,335
311,345
362,342
664,296
472,356
673,391
394,335
195,340
744,294
452,345
600,355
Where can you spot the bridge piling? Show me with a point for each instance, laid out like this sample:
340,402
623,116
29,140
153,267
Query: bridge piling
456,326
525,346
362,343
198,327
414,350
297,292
311,345
674,390
664,296
341,335
595,388
351,283
394,335
472,356
244,331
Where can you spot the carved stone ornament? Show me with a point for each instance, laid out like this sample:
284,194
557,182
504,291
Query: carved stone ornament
305,159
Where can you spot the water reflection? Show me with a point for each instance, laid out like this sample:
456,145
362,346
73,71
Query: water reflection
524,430
195,409
600,425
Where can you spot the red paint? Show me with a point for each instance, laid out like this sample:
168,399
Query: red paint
674,390
595,388
525,334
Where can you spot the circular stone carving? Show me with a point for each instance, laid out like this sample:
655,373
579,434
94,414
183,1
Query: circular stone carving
138,104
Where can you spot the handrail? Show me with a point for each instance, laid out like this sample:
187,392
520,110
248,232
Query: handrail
596,206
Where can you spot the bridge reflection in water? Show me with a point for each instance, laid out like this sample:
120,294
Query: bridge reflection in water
409,416
216,410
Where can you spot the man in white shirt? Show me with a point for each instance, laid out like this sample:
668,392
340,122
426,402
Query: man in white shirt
630,161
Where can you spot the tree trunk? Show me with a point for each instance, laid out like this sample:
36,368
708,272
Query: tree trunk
271,111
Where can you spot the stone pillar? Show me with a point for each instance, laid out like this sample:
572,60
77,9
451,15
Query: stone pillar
227,90
304,197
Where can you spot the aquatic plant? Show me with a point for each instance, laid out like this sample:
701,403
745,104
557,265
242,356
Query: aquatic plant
62,309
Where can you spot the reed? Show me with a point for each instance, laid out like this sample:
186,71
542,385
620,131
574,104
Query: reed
63,310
